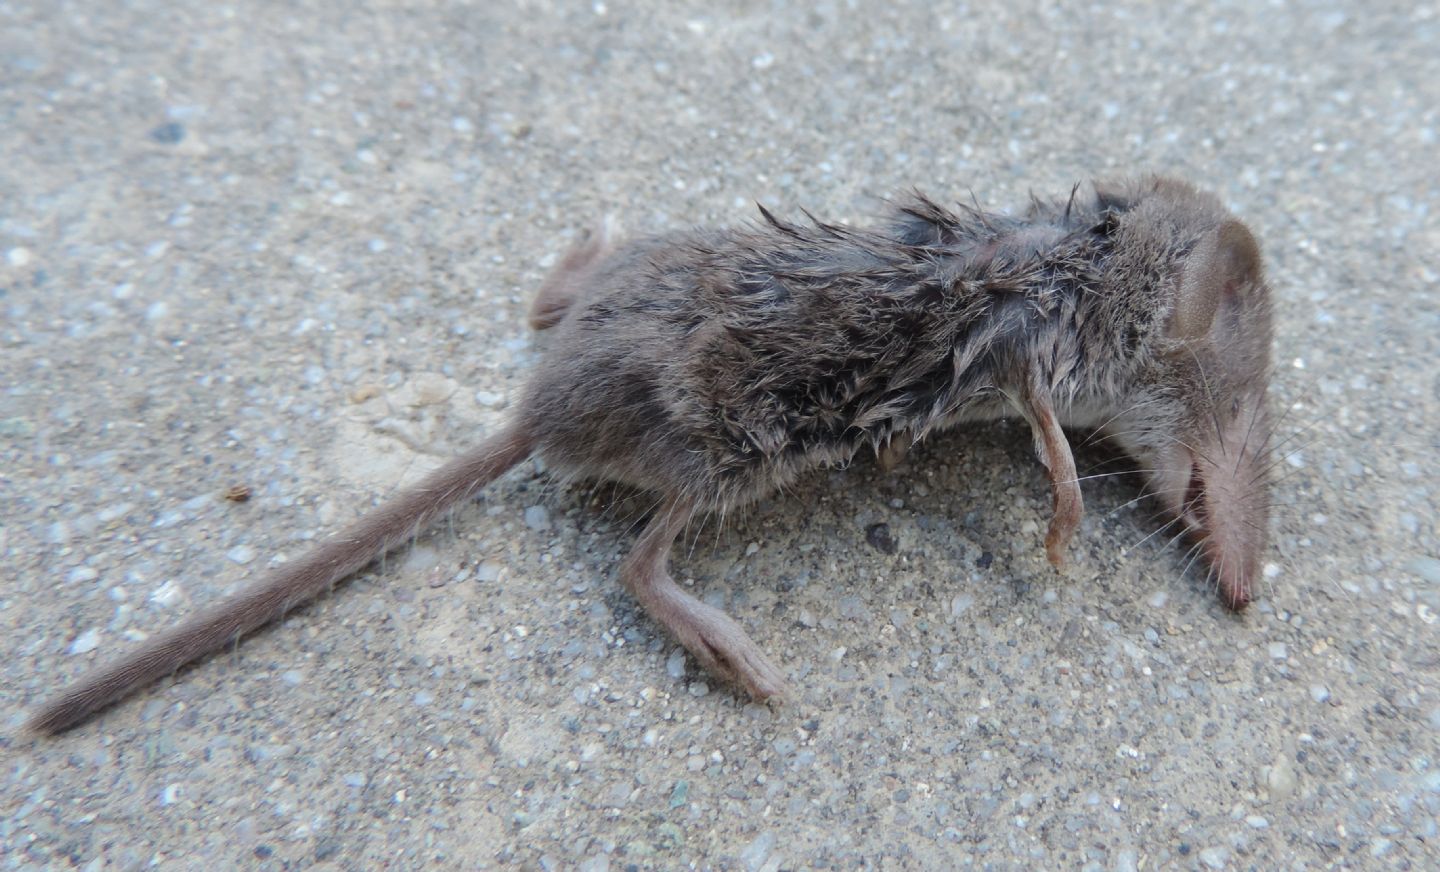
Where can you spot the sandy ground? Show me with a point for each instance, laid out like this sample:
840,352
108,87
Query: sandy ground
290,247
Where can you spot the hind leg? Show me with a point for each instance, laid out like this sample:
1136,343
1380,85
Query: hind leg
709,634
569,277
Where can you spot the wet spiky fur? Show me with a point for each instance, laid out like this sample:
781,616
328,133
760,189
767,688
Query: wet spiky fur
722,363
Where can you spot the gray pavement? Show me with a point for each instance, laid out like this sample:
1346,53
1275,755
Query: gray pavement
290,247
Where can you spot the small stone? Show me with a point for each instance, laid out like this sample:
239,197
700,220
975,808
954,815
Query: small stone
241,554
355,779
878,535
169,133
18,257
537,518
81,573
1427,568
489,399
167,594
679,794
758,851
675,663
1277,650
170,795
1215,857
424,697
85,642
1280,780
1256,821
1319,692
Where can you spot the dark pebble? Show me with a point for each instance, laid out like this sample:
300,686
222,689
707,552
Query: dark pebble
878,535
984,560
168,134
264,851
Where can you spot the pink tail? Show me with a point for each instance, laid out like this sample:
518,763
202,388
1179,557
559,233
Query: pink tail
391,525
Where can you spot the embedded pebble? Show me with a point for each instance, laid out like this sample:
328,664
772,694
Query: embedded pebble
1215,857
81,573
537,518
675,663
18,257
241,554
1277,650
1319,692
169,133
1427,568
85,642
758,851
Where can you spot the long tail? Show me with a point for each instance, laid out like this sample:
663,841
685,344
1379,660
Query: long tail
392,524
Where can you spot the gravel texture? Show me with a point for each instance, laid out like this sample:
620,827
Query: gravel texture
289,248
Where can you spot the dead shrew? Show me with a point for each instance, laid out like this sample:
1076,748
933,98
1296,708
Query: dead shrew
711,367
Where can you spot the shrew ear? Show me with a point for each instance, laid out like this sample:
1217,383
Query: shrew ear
1224,263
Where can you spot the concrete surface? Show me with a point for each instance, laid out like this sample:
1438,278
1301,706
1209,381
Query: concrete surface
290,247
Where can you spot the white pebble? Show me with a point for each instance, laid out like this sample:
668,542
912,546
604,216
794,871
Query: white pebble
18,256
241,554
752,548
758,851
167,594
170,795
1277,650
461,125
1319,692
489,400
1256,821
1215,857
85,642
82,573
537,518
675,663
